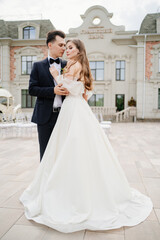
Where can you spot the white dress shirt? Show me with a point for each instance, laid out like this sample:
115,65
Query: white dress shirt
58,99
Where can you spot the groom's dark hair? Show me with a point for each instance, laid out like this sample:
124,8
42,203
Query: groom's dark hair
51,36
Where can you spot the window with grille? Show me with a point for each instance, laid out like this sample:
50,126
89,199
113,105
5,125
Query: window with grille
29,32
27,101
96,100
97,69
120,70
27,63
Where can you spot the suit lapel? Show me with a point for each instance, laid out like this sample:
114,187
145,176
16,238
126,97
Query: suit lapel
63,64
50,78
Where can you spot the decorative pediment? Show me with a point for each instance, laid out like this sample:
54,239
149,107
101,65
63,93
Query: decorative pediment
28,51
122,56
96,20
96,56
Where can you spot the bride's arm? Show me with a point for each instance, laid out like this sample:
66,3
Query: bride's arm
55,74
74,72
69,79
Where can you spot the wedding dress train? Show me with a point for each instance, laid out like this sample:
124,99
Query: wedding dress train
80,184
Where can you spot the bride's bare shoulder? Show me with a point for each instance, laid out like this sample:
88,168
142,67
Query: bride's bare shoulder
78,65
77,69
74,68
75,65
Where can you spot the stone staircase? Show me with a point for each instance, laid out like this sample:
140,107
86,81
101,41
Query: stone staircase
127,115
109,114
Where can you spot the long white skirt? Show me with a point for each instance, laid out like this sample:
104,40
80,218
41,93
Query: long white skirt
80,183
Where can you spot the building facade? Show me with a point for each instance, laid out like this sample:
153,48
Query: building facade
124,64
148,67
21,44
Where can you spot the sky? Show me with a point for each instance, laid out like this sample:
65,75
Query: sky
65,14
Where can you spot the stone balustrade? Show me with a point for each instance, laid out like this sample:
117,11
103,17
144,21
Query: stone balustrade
104,111
126,114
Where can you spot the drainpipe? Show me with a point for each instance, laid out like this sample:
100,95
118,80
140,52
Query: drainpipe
144,77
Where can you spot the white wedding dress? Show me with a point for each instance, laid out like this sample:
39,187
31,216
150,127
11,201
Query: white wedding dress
80,184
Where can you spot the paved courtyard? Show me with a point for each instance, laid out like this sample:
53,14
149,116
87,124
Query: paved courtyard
137,146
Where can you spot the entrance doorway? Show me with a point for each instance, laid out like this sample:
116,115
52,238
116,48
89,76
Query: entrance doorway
120,98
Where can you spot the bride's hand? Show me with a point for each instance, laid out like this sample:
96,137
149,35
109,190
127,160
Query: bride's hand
85,97
53,71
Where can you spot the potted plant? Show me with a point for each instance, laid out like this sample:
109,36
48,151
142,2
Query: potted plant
132,102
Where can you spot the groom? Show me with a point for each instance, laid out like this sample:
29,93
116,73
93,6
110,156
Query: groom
43,86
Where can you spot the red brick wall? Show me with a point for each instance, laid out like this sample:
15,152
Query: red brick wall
149,56
12,58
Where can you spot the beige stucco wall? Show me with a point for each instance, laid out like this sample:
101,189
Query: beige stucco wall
100,46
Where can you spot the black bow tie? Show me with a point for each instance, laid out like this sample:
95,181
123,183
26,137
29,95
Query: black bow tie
54,60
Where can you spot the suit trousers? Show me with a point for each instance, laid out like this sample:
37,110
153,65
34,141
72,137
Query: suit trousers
44,132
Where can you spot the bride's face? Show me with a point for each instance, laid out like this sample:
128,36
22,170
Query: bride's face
71,50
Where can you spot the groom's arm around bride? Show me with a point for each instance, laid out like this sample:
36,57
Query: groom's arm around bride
42,85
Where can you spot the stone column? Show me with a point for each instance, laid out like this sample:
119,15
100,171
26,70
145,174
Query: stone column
109,82
140,79
113,84
0,64
5,82
127,82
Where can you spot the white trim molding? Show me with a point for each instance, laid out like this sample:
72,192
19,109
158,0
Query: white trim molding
155,62
25,51
28,24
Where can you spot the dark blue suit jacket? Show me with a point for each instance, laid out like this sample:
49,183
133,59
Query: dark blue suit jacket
41,85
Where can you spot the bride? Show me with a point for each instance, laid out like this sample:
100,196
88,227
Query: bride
80,184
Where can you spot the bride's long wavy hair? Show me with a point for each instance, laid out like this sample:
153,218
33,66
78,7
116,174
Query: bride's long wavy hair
81,57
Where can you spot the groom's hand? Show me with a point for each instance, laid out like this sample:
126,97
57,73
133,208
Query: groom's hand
60,90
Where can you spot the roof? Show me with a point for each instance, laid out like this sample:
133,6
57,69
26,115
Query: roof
148,24
10,28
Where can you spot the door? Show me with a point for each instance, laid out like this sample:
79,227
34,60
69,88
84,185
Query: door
120,98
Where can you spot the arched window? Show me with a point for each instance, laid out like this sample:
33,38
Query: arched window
29,32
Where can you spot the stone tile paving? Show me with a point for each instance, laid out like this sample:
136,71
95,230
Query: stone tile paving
137,146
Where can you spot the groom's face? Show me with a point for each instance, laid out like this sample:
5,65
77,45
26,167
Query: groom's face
57,47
